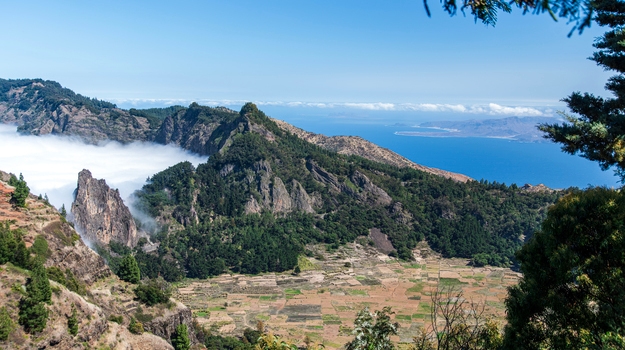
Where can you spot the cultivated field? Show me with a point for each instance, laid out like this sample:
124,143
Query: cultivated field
322,301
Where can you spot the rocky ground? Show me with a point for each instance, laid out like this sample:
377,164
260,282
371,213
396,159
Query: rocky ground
322,301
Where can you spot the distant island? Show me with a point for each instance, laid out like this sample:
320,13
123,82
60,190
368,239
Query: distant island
512,128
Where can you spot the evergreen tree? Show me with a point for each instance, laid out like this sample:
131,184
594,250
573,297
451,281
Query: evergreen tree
598,130
38,285
72,322
571,295
180,339
21,255
21,191
33,315
129,269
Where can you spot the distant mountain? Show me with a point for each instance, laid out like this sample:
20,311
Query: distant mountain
41,107
513,128
268,188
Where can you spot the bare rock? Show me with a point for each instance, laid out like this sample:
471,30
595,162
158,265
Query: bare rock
252,206
300,199
280,197
165,325
100,212
370,192
323,176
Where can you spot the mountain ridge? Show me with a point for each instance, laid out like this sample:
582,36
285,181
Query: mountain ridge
41,107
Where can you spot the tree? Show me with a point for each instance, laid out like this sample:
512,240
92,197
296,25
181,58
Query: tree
152,292
180,339
571,294
72,322
457,324
38,285
21,191
598,130
268,341
33,314
373,330
129,269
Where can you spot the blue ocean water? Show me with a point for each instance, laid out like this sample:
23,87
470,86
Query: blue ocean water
480,158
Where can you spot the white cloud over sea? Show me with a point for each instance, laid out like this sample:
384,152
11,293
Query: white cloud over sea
492,109
50,164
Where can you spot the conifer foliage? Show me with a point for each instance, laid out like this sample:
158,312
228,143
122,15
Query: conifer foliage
33,314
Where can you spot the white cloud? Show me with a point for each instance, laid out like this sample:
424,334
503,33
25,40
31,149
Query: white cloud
488,109
50,164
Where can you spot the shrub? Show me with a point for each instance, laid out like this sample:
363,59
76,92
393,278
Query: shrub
153,292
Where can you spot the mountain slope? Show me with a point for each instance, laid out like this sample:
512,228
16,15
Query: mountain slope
268,192
84,284
41,107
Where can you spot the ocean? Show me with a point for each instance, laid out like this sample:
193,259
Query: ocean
491,159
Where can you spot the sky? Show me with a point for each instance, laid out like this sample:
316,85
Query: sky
359,53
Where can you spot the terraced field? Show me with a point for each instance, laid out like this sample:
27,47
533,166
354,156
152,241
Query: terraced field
322,301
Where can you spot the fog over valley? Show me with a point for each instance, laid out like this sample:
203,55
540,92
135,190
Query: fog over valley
50,164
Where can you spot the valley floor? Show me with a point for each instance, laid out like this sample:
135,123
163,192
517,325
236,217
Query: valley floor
322,301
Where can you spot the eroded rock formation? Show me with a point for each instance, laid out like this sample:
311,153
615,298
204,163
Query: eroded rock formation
101,214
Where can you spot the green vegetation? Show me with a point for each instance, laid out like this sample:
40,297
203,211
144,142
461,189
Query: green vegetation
72,322
6,323
67,279
458,219
33,314
129,270
180,339
135,327
373,330
152,292
21,192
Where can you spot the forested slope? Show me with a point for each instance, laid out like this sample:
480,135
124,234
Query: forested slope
255,204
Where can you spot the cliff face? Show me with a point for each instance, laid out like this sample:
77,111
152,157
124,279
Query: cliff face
100,212
199,129
43,107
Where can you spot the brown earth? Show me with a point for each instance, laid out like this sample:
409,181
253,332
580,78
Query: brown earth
322,301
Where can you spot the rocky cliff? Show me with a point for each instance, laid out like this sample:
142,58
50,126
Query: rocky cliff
100,213
108,296
41,107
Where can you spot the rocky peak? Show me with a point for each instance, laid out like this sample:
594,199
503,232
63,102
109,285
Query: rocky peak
101,214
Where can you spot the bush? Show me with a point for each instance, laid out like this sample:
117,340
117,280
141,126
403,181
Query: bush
135,327
6,324
72,322
153,292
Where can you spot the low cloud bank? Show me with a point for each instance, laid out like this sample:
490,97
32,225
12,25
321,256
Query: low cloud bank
487,109
50,164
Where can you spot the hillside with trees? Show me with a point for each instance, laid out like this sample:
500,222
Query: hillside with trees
255,205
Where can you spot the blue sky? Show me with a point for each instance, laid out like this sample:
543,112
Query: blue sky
296,51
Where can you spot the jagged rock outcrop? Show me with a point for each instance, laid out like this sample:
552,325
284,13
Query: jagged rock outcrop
401,216
200,129
369,191
300,200
280,197
323,176
101,214
165,325
41,107
252,206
